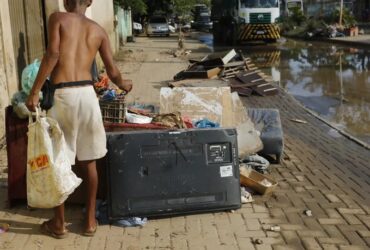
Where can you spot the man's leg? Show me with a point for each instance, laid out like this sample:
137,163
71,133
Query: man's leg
90,178
56,224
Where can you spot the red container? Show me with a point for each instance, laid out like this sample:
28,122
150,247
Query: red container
16,141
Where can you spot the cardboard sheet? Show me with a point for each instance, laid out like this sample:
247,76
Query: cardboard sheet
213,103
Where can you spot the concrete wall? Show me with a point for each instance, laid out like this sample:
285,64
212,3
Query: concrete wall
8,71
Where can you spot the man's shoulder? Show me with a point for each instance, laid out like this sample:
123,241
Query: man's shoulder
58,17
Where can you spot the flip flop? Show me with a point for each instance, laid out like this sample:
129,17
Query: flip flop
45,229
91,232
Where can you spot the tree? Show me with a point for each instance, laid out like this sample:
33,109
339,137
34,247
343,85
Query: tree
137,6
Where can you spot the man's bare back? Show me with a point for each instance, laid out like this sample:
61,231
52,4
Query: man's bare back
80,39
74,41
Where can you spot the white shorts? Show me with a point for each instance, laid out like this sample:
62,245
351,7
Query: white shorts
78,113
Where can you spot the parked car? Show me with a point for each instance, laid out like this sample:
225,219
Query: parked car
157,25
202,22
138,28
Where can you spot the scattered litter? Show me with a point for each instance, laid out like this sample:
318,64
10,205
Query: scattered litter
266,183
205,123
102,216
257,241
257,163
256,181
298,121
137,119
308,212
131,222
4,227
246,197
275,228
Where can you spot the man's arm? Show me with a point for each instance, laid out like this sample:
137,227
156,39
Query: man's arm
49,60
113,73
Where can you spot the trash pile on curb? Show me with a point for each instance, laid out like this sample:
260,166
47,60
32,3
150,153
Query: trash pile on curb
203,98
231,69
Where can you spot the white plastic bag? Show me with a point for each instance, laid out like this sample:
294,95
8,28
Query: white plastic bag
50,179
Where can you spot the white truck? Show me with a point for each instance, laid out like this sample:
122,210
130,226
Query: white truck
239,21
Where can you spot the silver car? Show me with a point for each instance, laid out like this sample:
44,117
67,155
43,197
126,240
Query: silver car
157,25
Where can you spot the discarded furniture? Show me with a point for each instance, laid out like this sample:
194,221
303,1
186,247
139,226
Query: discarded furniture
267,121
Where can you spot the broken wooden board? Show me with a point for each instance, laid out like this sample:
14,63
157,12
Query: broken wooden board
199,83
242,91
218,59
191,74
250,77
265,89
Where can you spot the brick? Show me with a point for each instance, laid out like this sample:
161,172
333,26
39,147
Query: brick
217,246
116,242
329,247
260,208
277,213
332,198
331,221
311,233
354,238
310,243
312,223
317,211
332,213
288,247
263,247
352,219
245,243
365,219
253,224
351,211
250,234
352,248
147,237
294,218
364,234
292,227
325,240
291,237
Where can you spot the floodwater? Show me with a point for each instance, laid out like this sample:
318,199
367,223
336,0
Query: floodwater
332,80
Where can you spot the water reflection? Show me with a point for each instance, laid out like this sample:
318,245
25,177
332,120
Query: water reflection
333,80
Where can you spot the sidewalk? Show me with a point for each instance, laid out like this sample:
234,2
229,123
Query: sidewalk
362,40
321,171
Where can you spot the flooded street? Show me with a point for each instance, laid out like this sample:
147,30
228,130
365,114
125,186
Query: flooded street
331,79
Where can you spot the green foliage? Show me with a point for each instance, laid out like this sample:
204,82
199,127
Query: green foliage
297,16
348,20
183,7
291,22
137,6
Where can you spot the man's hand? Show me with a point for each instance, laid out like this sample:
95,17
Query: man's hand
126,85
32,101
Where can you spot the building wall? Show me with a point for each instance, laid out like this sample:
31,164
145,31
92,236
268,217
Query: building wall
4,98
8,70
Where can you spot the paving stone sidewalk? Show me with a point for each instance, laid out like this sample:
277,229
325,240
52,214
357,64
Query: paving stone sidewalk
321,171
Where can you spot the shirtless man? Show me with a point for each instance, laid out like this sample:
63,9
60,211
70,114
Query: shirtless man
74,41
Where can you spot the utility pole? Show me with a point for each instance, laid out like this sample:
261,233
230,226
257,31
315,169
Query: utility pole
341,13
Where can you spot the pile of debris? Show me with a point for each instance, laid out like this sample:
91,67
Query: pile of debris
226,69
